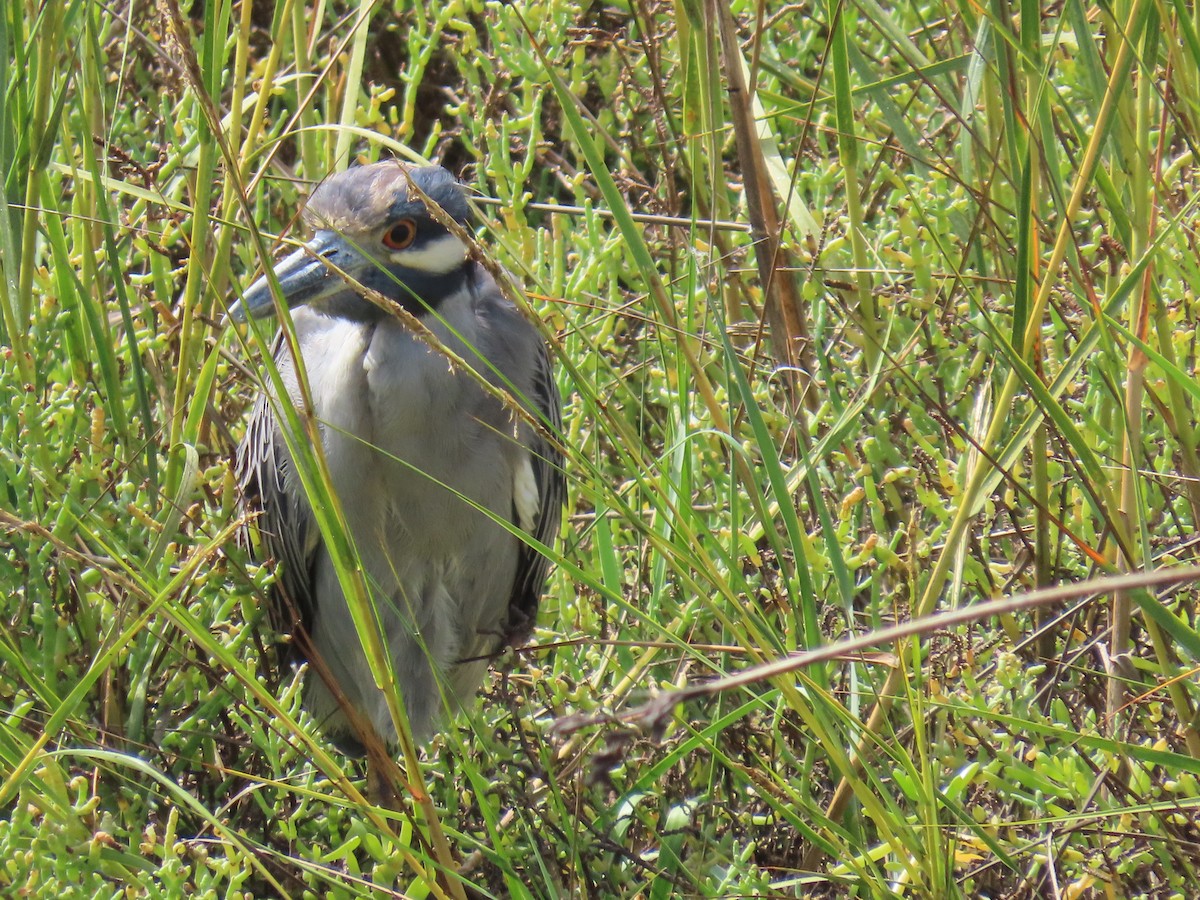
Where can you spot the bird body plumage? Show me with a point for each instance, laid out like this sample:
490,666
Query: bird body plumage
417,451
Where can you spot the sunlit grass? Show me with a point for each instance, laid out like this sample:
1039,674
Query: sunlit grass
984,271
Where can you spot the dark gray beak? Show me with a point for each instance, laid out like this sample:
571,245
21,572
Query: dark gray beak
305,276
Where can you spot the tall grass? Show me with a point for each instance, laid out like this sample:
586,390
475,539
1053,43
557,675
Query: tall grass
959,368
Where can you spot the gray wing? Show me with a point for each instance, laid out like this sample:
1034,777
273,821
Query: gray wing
533,566
287,532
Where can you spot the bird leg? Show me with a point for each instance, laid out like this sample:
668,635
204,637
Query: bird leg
381,788
383,774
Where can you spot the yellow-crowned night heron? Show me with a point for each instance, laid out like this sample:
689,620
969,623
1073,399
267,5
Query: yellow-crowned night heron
415,448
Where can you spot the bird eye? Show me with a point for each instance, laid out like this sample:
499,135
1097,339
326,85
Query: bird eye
400,235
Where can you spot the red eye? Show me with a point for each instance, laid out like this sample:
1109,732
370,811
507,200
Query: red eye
401,235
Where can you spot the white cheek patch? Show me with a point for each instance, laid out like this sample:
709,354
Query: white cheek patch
437,257
525,495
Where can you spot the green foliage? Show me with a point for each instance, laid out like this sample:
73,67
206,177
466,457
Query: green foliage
988,215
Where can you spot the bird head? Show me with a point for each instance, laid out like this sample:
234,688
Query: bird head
371,223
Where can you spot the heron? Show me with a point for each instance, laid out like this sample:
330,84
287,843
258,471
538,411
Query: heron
428,460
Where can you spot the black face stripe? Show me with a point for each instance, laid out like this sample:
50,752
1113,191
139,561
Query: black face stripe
439,186
429,233
415,290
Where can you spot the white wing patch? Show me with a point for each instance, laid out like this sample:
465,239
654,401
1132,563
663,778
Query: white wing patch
525,494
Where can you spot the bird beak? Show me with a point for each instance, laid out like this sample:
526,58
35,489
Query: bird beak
308,275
